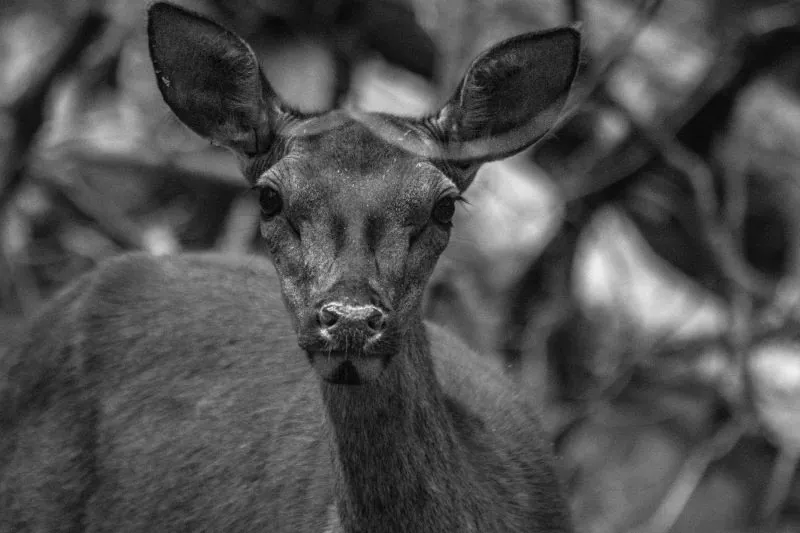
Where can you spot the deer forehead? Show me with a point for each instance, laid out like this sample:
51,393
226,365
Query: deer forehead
351,170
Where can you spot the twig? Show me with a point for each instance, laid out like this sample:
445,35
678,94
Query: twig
118,227
784,14
718,76
612,385
21,283
701,180
28,111
574,11
193,178
619,50
778,490
613,55
241,225
689,477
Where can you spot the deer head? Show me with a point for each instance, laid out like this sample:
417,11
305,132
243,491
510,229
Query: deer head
357,207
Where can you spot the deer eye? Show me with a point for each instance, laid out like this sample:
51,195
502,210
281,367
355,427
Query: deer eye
270,201
444,210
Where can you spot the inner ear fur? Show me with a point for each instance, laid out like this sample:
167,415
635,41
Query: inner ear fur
210,78
510,96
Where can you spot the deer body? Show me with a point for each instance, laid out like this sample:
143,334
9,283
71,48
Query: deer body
216,422
210,393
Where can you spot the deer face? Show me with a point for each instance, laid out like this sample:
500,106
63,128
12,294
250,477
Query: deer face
356,208
354,226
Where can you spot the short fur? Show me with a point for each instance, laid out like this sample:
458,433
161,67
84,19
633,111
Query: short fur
169,394
204,393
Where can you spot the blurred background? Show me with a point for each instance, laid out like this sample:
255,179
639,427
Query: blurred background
638,272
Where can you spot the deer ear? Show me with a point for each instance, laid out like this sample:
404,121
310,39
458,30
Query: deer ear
510,96
211,79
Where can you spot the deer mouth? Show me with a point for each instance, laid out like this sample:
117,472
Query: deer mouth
346,368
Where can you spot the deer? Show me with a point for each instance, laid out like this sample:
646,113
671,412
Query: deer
300,390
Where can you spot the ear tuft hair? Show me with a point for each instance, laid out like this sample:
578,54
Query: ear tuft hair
510,96
209,77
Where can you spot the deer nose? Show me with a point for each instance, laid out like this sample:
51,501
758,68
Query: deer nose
368,320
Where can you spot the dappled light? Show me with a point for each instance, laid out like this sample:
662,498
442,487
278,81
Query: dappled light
632,264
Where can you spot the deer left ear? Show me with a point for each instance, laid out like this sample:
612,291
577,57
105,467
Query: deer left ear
510,96
211,79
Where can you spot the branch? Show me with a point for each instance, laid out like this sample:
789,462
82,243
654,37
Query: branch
701,179
778,490
28,111
613,55
690,476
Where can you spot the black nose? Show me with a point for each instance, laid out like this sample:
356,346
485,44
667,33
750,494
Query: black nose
365,319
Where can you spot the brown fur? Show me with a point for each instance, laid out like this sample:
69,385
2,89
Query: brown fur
176,394
165,394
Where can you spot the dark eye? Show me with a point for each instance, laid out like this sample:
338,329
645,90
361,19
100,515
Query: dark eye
444,210
271,202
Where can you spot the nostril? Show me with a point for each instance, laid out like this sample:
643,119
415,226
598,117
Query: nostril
347,319
327,317
376,320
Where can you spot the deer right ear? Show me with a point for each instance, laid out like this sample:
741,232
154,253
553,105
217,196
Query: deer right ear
211,79
510,96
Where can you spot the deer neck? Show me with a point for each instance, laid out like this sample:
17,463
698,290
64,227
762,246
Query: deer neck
397,458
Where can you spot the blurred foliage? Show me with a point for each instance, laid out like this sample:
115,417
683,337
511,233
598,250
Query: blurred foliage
637,272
